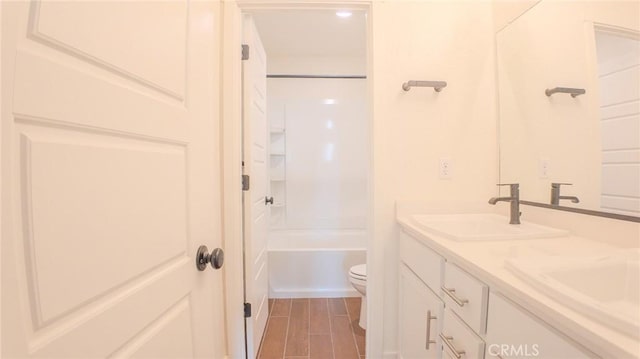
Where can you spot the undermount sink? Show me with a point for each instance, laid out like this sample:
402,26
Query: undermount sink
482,227
605,287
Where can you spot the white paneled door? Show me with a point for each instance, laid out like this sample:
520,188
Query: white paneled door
254,72
110,179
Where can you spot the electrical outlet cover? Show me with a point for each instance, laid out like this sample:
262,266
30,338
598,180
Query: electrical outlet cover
445,169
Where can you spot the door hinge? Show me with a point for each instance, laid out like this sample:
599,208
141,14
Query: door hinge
245,52
246,182
247,310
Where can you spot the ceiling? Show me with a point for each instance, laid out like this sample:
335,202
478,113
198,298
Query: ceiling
311,33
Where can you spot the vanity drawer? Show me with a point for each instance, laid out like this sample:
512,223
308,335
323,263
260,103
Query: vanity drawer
424,262
466,296
458,340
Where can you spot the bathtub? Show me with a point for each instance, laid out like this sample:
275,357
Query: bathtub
314,264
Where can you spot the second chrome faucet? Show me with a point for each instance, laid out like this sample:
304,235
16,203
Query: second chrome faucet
514,199
556,197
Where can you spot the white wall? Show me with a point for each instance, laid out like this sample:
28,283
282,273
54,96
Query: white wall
505,11
449,41
317,65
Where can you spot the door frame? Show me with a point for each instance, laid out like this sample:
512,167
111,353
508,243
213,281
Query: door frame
1,174
231,90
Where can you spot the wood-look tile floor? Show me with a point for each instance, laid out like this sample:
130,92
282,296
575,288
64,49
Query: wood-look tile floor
315,328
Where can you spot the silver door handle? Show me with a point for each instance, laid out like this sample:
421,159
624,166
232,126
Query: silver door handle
447,341
203,257
451,293
429,341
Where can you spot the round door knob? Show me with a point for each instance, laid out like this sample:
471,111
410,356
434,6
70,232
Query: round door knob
203,257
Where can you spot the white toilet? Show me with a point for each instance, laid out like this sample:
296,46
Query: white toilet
358,279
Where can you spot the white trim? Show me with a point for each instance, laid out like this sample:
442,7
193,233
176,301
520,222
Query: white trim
231,143
231,139
375,246
2,239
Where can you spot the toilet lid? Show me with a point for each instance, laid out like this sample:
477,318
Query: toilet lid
359,270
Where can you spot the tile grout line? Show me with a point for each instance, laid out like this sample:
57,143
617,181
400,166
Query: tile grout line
286,336
333,350
308,328
353,332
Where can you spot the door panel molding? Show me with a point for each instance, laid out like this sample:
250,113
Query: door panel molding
174,323
169,59
44,267
89,324
90,101
42,122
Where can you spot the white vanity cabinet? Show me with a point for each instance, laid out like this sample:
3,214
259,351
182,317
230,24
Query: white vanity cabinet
445,312
421,306
426,329
514,333
421,313
465,316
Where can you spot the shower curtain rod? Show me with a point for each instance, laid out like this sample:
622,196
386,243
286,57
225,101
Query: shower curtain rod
316,77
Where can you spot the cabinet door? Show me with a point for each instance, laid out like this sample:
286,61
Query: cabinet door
532,337
420,316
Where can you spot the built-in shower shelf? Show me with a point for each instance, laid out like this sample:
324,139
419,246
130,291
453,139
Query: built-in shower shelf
278,175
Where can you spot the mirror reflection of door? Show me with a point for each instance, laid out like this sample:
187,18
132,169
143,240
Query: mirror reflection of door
619,86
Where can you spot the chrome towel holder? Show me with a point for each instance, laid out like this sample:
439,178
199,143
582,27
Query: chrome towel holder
437,85
572,91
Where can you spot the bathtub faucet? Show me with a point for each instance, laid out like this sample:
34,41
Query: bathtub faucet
514,199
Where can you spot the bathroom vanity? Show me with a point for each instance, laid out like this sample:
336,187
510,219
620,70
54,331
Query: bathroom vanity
464,292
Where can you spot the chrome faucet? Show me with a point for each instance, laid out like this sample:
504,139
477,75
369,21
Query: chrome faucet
514,199
556,197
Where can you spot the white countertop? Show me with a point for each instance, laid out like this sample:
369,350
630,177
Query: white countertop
486,261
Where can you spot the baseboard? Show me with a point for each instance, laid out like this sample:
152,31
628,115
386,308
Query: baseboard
314,293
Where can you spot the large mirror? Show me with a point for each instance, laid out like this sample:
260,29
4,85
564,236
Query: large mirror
568,80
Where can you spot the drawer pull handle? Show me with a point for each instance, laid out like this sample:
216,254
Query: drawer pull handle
447,342
451,293
429,341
